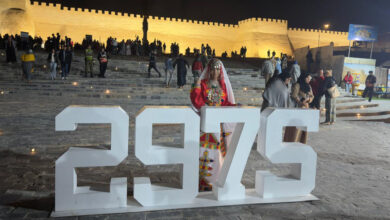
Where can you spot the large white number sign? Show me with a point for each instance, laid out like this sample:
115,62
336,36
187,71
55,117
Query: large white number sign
228,186
270,145
228,189
151,195
68,195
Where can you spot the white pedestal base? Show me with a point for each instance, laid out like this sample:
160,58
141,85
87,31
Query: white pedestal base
204,199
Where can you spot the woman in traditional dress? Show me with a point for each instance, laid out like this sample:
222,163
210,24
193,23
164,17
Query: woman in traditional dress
213,89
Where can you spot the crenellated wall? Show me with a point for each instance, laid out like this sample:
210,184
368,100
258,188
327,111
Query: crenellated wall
263,34
76,22
311,37
258,34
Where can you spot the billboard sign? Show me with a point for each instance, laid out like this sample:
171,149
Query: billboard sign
388,81
359,68
359,32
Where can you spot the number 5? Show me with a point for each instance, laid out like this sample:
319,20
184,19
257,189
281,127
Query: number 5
270,145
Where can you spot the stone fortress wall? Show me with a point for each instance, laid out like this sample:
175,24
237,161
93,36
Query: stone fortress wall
257,34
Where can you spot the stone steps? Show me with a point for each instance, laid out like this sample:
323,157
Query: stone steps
128,86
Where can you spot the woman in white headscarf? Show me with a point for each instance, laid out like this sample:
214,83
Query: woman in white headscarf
213,89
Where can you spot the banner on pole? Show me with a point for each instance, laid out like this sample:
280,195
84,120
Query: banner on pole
359,32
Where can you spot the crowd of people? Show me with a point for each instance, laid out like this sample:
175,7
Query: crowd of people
287,87
60,55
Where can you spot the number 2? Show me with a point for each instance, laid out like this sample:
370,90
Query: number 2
68,195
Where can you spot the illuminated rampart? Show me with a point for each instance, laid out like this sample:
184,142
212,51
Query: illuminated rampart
258,34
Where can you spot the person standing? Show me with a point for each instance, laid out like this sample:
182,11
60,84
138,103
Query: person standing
295,72
278,65
330,102
302,92
309,60
284,62
316,85
53,61
62,58
182,66
267,70
197,68
348,80
168,70
302,95
28,60
103,61
152,64
277,94
213,88
204,59
128,48
370,84
10,49
65,57
88,62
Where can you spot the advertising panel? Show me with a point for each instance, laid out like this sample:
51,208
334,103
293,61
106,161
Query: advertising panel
359,69
362,33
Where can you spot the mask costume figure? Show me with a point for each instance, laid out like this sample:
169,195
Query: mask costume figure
212,89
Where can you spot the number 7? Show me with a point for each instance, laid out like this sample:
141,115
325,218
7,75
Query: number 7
228,185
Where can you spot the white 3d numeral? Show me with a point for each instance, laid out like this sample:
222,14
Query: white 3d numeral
68,195
270,145
153,195
228,185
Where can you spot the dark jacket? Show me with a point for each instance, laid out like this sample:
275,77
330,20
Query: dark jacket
182,65
370,81
65,56
152,59
329,82
102,56
56,60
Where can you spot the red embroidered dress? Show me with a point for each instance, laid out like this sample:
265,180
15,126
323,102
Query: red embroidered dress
212,150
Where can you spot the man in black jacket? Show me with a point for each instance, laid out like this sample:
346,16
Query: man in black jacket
370,84
65,57
152,63
182,66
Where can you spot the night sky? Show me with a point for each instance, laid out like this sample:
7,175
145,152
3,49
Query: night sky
299,13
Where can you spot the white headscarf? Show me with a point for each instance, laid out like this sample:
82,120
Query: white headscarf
228,127
229,90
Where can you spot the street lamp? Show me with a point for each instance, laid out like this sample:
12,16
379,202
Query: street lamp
326,27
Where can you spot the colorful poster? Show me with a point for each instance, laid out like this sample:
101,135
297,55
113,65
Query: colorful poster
359,69
362,33
388,80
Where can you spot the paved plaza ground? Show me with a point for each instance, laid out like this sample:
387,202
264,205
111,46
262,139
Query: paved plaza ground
353,167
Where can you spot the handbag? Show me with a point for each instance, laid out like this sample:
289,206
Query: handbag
334,92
